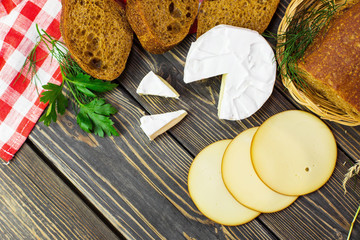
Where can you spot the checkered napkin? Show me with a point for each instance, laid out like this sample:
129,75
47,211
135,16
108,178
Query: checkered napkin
20,107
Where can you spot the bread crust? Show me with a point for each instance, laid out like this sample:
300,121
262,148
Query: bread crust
152,30
136,18
97,35
252,14
331,65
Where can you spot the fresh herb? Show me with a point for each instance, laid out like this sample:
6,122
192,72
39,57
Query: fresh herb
93,113
302,29
93,117
57,102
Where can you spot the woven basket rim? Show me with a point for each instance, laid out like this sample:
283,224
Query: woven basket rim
311,100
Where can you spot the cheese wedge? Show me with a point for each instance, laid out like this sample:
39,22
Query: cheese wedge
247,62
294,152
208,192
155,85
242,182
154,125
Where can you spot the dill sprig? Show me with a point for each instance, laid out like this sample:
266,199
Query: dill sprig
302,29
92,111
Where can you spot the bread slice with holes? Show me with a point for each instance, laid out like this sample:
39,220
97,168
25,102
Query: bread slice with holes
161,24
252,14
98,36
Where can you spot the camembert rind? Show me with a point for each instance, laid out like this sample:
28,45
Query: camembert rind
242,181
208,192
294,152
155,85
154,125
247,62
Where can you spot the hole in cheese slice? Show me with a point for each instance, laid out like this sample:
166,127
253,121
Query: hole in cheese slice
155,85
247,62
242,181
208,192
294,152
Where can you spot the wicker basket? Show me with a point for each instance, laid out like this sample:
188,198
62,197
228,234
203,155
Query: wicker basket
311,100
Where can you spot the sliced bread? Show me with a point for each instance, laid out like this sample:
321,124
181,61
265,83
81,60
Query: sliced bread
331,64
253,14
98,36
161,24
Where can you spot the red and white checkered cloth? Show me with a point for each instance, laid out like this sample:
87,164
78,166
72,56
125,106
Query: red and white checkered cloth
20,107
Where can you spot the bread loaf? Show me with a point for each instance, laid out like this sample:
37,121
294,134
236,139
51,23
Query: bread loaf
331,65
161,24
253,14
98,36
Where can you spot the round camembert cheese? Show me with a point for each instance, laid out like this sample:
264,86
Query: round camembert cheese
242,181
208,192
294,152
246,61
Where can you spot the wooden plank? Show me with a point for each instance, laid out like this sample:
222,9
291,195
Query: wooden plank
141,187
202,127
138,185
36,204
328,206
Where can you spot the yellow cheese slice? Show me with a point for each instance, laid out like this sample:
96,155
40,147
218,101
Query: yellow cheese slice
294,152
208,192
242,182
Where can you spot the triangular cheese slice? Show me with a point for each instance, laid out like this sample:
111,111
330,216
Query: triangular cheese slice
155,85
154,125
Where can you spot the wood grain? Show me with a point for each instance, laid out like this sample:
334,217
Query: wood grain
202,127
138,185
328,206
36,204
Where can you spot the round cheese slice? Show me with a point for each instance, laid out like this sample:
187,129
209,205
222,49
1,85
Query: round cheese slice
294,152
242,181
208,192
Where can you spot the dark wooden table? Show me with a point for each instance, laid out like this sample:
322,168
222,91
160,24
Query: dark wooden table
67,184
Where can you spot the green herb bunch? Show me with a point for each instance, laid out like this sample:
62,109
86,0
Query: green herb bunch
93,113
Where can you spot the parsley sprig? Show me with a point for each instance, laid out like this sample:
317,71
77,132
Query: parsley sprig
93,113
